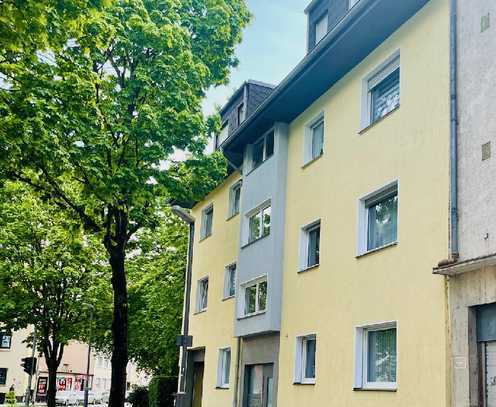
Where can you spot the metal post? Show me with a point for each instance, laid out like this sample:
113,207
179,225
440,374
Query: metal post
88,360
30,379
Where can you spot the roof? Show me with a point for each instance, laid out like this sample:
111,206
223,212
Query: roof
368,24
236,94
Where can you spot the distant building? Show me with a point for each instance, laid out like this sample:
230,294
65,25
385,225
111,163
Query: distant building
70,376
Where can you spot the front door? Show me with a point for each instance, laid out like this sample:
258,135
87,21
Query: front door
198,369
259,386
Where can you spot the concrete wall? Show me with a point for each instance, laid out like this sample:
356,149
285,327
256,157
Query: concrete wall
466,291
477,93
393,284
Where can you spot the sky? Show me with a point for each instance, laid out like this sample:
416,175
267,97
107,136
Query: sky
273,43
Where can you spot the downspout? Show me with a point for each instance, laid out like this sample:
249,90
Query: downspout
183,365
238,370
454,253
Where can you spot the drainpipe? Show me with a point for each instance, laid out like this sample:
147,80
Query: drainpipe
185,341
238,363
454,132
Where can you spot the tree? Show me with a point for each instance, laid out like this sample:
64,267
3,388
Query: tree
93,125
156,269
50,273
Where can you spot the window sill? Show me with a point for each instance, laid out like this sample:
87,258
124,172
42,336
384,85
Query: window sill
309,268
200,312
231,297
232,216
255,314
371,388
369,126
378,249
310,162
307,382
204,238
222,388
255,241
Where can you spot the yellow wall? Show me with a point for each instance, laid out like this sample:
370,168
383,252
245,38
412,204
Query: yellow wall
394,284
214,328
11,359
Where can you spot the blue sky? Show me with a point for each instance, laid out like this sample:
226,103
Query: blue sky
273,43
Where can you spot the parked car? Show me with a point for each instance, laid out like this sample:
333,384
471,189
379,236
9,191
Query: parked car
66,398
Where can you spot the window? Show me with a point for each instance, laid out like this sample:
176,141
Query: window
263,149
207,222
255,297
376,360
306,347
3,376
381,91
230,281
352,3
202,295
314,139
224,368
378,219
224,132
241,112
321,28
310,246
5,340
259,224
234,199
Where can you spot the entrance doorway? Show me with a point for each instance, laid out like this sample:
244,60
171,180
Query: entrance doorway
259,386
198,369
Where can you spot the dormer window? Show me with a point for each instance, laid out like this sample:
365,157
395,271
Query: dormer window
321,26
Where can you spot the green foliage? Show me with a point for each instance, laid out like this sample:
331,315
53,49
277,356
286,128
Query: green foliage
49,270
161,391
156,270
139,397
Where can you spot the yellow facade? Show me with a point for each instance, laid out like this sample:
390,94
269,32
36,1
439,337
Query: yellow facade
213,329
410,145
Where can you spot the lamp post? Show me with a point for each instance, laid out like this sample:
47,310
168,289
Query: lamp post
185,339
88,360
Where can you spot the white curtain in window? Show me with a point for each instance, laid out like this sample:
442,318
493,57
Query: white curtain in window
382,356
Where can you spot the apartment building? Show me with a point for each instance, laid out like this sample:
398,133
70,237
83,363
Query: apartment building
12,349
471,270
312,263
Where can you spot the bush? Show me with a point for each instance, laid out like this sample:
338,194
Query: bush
139,397
161,391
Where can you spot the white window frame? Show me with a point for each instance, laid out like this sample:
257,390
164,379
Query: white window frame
263,138
324,18
363,216
259,209
205,211
221,384
308,142
305,241
241,117
232,195
227,280
5,335
370,81
361,357
255,282
199,307
300,359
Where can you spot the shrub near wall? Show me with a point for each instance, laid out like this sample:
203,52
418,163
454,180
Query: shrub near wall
139,397
161,391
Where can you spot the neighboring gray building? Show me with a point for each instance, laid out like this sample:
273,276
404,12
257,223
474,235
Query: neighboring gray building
472,269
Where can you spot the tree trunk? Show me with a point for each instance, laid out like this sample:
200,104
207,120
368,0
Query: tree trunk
52,365
119,326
